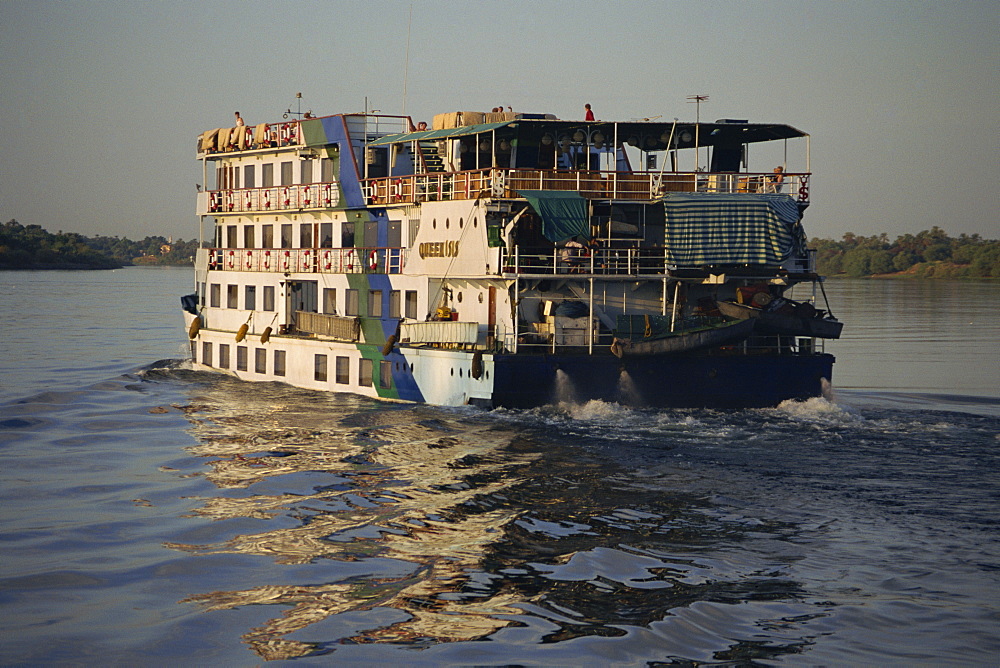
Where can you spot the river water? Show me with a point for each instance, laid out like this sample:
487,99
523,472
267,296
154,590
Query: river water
155,515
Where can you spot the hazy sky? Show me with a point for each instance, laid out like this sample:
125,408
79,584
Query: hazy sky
101,101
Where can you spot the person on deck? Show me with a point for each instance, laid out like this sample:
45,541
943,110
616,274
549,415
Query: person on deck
590,113
239,119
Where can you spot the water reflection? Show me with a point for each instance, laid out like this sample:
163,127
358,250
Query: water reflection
469,526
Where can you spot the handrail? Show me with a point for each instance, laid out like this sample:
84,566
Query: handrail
309,260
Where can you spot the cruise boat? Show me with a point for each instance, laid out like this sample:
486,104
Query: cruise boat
506,259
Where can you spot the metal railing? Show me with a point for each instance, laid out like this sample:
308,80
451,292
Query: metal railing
505,183
309,260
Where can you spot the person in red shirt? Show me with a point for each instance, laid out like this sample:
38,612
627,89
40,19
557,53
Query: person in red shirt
590,113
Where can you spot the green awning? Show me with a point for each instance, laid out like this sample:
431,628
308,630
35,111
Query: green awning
428,135
564,213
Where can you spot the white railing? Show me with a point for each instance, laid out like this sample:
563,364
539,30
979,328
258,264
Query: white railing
309,260
275,198
592,184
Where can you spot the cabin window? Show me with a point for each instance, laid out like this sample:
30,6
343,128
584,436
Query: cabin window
215,295
267,175
241,358
286,235
371,235
250,298
235,183
411,304
279,362
351,305
365,373
232,296
223,356
395,239
326,235
267,236
347,235
248,177
326,170
394,304
268,298
330,301
306,171
343,370
260,360
206,353
305,235
286,173
248,240
385,374
319,368
231,241
375,303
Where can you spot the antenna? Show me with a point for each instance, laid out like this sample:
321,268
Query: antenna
289,112
697,99
406,66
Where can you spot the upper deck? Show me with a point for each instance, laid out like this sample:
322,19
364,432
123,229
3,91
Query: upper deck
496,155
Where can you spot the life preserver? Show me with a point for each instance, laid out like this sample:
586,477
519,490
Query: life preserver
285,260
266,194
213,260
267,259
249,200
350,260
306,261
397,190
373,260
326,195
327,263
231,261
287,198
249,259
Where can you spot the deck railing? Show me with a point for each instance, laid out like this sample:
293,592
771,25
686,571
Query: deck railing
309,260
501,182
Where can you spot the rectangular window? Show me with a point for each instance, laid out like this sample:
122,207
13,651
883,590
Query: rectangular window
232,296
395,239
241,358
326,235
394,304
286,173
267,175
374,303
250,298
306,171
218,236
326,170
206,353
343,370
286,235
231,241
330,301
267,236
385,374
248,240
305,235
223,355
351,299
248,177
236,177
347,235
268,297
279,362
260,360
365,373
319,368
215,295
411,304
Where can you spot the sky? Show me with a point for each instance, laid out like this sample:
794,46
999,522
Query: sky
101,101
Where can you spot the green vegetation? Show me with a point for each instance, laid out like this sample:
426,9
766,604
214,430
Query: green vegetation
31,247
929,254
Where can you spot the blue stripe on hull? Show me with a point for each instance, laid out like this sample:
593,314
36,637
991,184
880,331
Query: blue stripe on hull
691,381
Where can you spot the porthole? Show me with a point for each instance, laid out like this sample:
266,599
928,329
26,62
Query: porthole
453,372
459,297
475,222
447,223
480,297
434,223
461,222
487,375
459,373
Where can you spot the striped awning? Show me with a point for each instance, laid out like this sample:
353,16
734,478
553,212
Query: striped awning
731,229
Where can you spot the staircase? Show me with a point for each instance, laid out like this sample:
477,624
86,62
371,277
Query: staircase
433,162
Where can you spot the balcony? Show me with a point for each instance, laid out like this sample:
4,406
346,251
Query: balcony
308,260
